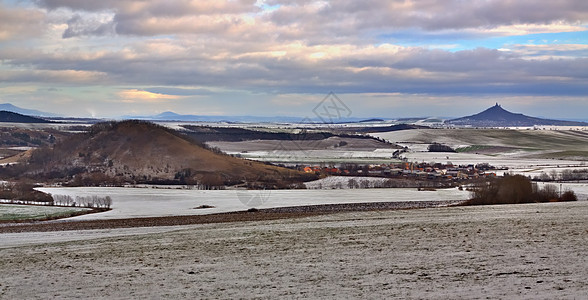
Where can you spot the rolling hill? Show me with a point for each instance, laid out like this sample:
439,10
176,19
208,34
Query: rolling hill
142,152
496,116
12,117
23,111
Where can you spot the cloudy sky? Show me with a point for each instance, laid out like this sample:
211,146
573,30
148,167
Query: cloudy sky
382,58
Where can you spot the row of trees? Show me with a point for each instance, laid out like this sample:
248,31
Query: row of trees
83,201
376,182
24,193
565,175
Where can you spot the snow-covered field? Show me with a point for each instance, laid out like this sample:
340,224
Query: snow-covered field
509,161
376,156
519,150
146,202
538,139
342,182
531,251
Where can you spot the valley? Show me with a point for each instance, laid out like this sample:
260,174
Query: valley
182,188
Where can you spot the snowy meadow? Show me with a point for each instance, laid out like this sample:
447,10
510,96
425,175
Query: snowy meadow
156,202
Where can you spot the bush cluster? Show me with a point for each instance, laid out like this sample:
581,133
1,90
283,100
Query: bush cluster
513,189
23,192
436,147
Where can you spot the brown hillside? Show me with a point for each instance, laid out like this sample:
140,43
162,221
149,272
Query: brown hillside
142,152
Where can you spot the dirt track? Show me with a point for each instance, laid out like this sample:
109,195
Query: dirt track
531,251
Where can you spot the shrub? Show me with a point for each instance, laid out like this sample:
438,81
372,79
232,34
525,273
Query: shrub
547,194
436,147
568,196
513,189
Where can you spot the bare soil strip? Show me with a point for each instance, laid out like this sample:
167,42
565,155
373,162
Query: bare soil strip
252,215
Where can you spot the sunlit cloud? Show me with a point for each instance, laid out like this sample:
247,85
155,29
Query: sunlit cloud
141,96
550,51
524,29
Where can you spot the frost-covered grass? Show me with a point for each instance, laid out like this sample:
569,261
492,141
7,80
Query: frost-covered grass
530,251
12,212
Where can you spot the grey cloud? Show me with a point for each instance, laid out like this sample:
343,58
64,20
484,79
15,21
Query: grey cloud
78,5
573,50
431,15
344,18
411,70
78,26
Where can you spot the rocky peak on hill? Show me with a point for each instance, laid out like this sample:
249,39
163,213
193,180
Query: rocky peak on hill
496,116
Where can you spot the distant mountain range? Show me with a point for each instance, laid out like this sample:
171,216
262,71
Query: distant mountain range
12,117
24,111
496,116
172,116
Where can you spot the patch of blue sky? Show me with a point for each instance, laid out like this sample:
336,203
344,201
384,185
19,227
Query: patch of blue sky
16,3
266,7
457,41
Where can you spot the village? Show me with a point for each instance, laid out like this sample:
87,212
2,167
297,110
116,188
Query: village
423,170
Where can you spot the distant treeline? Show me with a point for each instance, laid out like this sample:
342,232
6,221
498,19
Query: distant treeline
374,129
365,183
565,175
230,134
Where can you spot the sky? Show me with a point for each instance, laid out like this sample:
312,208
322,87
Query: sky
381,58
